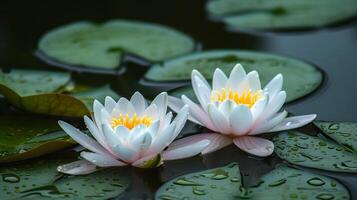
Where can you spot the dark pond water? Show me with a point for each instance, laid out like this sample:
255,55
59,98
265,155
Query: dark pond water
333,49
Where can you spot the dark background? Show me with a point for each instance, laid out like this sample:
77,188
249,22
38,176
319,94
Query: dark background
332,49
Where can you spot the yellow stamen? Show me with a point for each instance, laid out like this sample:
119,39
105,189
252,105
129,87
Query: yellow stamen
246,97
130,122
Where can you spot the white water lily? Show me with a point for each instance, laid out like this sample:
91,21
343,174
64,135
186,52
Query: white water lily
130,133
239,109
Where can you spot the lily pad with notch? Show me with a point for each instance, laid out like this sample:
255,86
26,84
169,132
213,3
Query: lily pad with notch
281,14
50,93
315,152
225,183
300,78
40,180
86,46
27,137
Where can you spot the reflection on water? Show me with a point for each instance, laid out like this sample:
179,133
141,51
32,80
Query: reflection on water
332,49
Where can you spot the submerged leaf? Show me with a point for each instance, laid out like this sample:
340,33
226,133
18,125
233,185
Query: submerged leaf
314,152
300,78
27,137
45,92
40,180
102,46
280,14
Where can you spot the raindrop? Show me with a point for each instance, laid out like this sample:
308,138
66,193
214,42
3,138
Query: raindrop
185,182
235,179
334,126
316,181
311,157
325,196
277,183
10,178
197,191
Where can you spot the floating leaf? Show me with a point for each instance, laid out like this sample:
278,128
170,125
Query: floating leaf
27,137
219,183
40,180
314,152
225,183
102,46
288,183
282,14
300,78
344,133
46,92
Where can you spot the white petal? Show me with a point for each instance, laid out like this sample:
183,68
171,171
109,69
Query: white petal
198,113
185,151
101,160
217,141
162,140
237,75
139,103
175,103
83,139
202,91
161,102
201,77
267,125
218,119
165,122
93,129
226,107
109,104
274,105
293,122
151,112
121,148
97,107
79,167
180,121
105,116
219,80
255,145
142,142
254,81
241,120
274,86
154,128
123,107
259,107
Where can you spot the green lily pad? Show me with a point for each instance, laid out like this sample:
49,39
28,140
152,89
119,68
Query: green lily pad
90,45
40,180
218,183
344,133
281,14
49,93
300,78
225,183
27,137
288,183
310,151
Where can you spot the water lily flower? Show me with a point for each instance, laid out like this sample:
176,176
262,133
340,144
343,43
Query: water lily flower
129,132
239,109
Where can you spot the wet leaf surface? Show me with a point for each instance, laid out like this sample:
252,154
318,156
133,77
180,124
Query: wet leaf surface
344,133
310,151
300,78
89,45
50,93
225,183
27,137
281,14
40,180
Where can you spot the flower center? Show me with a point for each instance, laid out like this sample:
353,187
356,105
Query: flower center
130,122
247,97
